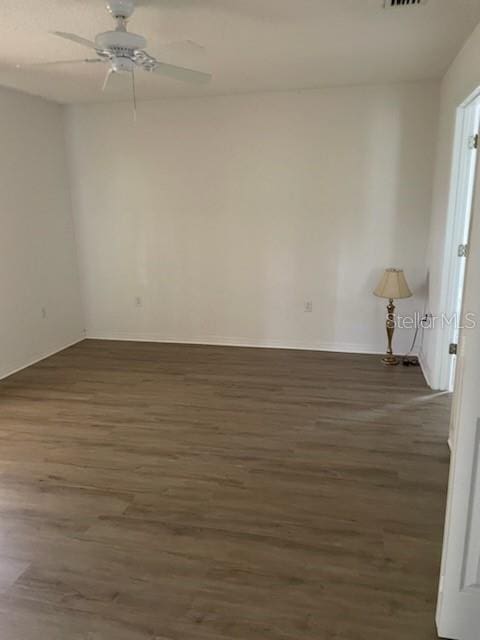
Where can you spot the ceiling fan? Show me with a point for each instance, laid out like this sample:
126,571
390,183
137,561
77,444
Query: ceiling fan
124,52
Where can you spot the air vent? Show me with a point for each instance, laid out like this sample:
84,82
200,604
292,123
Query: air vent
397,4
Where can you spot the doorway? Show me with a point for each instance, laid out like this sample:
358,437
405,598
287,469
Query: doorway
467,143
458,608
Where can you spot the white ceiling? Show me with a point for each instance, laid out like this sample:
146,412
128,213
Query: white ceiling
250,45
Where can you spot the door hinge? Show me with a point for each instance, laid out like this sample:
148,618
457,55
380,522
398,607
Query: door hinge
473,142
452,350
463,250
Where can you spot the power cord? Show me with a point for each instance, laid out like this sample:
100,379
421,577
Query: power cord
412,361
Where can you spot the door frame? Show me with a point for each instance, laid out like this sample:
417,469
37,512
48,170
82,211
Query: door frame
458,605
467,123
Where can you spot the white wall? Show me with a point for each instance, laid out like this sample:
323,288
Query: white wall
462,78
225,214
37,251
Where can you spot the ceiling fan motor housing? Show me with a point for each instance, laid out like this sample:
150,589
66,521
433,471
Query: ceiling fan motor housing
119,41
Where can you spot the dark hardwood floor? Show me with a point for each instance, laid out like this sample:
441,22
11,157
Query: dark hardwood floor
208,493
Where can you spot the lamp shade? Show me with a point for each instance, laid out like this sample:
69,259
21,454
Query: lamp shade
393,285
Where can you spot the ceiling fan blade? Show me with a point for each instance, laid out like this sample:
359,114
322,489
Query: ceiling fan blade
184,53
182,73
35,65
74,38
184,47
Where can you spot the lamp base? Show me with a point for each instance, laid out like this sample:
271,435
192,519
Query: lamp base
390,361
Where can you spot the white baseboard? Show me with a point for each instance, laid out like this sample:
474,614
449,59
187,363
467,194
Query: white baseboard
223,341
9,372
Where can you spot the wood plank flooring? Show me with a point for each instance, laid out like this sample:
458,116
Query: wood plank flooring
174,492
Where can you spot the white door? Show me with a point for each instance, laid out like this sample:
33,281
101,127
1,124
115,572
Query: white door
458,611
458,225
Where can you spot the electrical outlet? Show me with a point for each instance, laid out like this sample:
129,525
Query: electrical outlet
308,308
138,301
44,313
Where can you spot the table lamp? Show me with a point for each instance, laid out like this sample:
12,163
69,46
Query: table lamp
392,286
